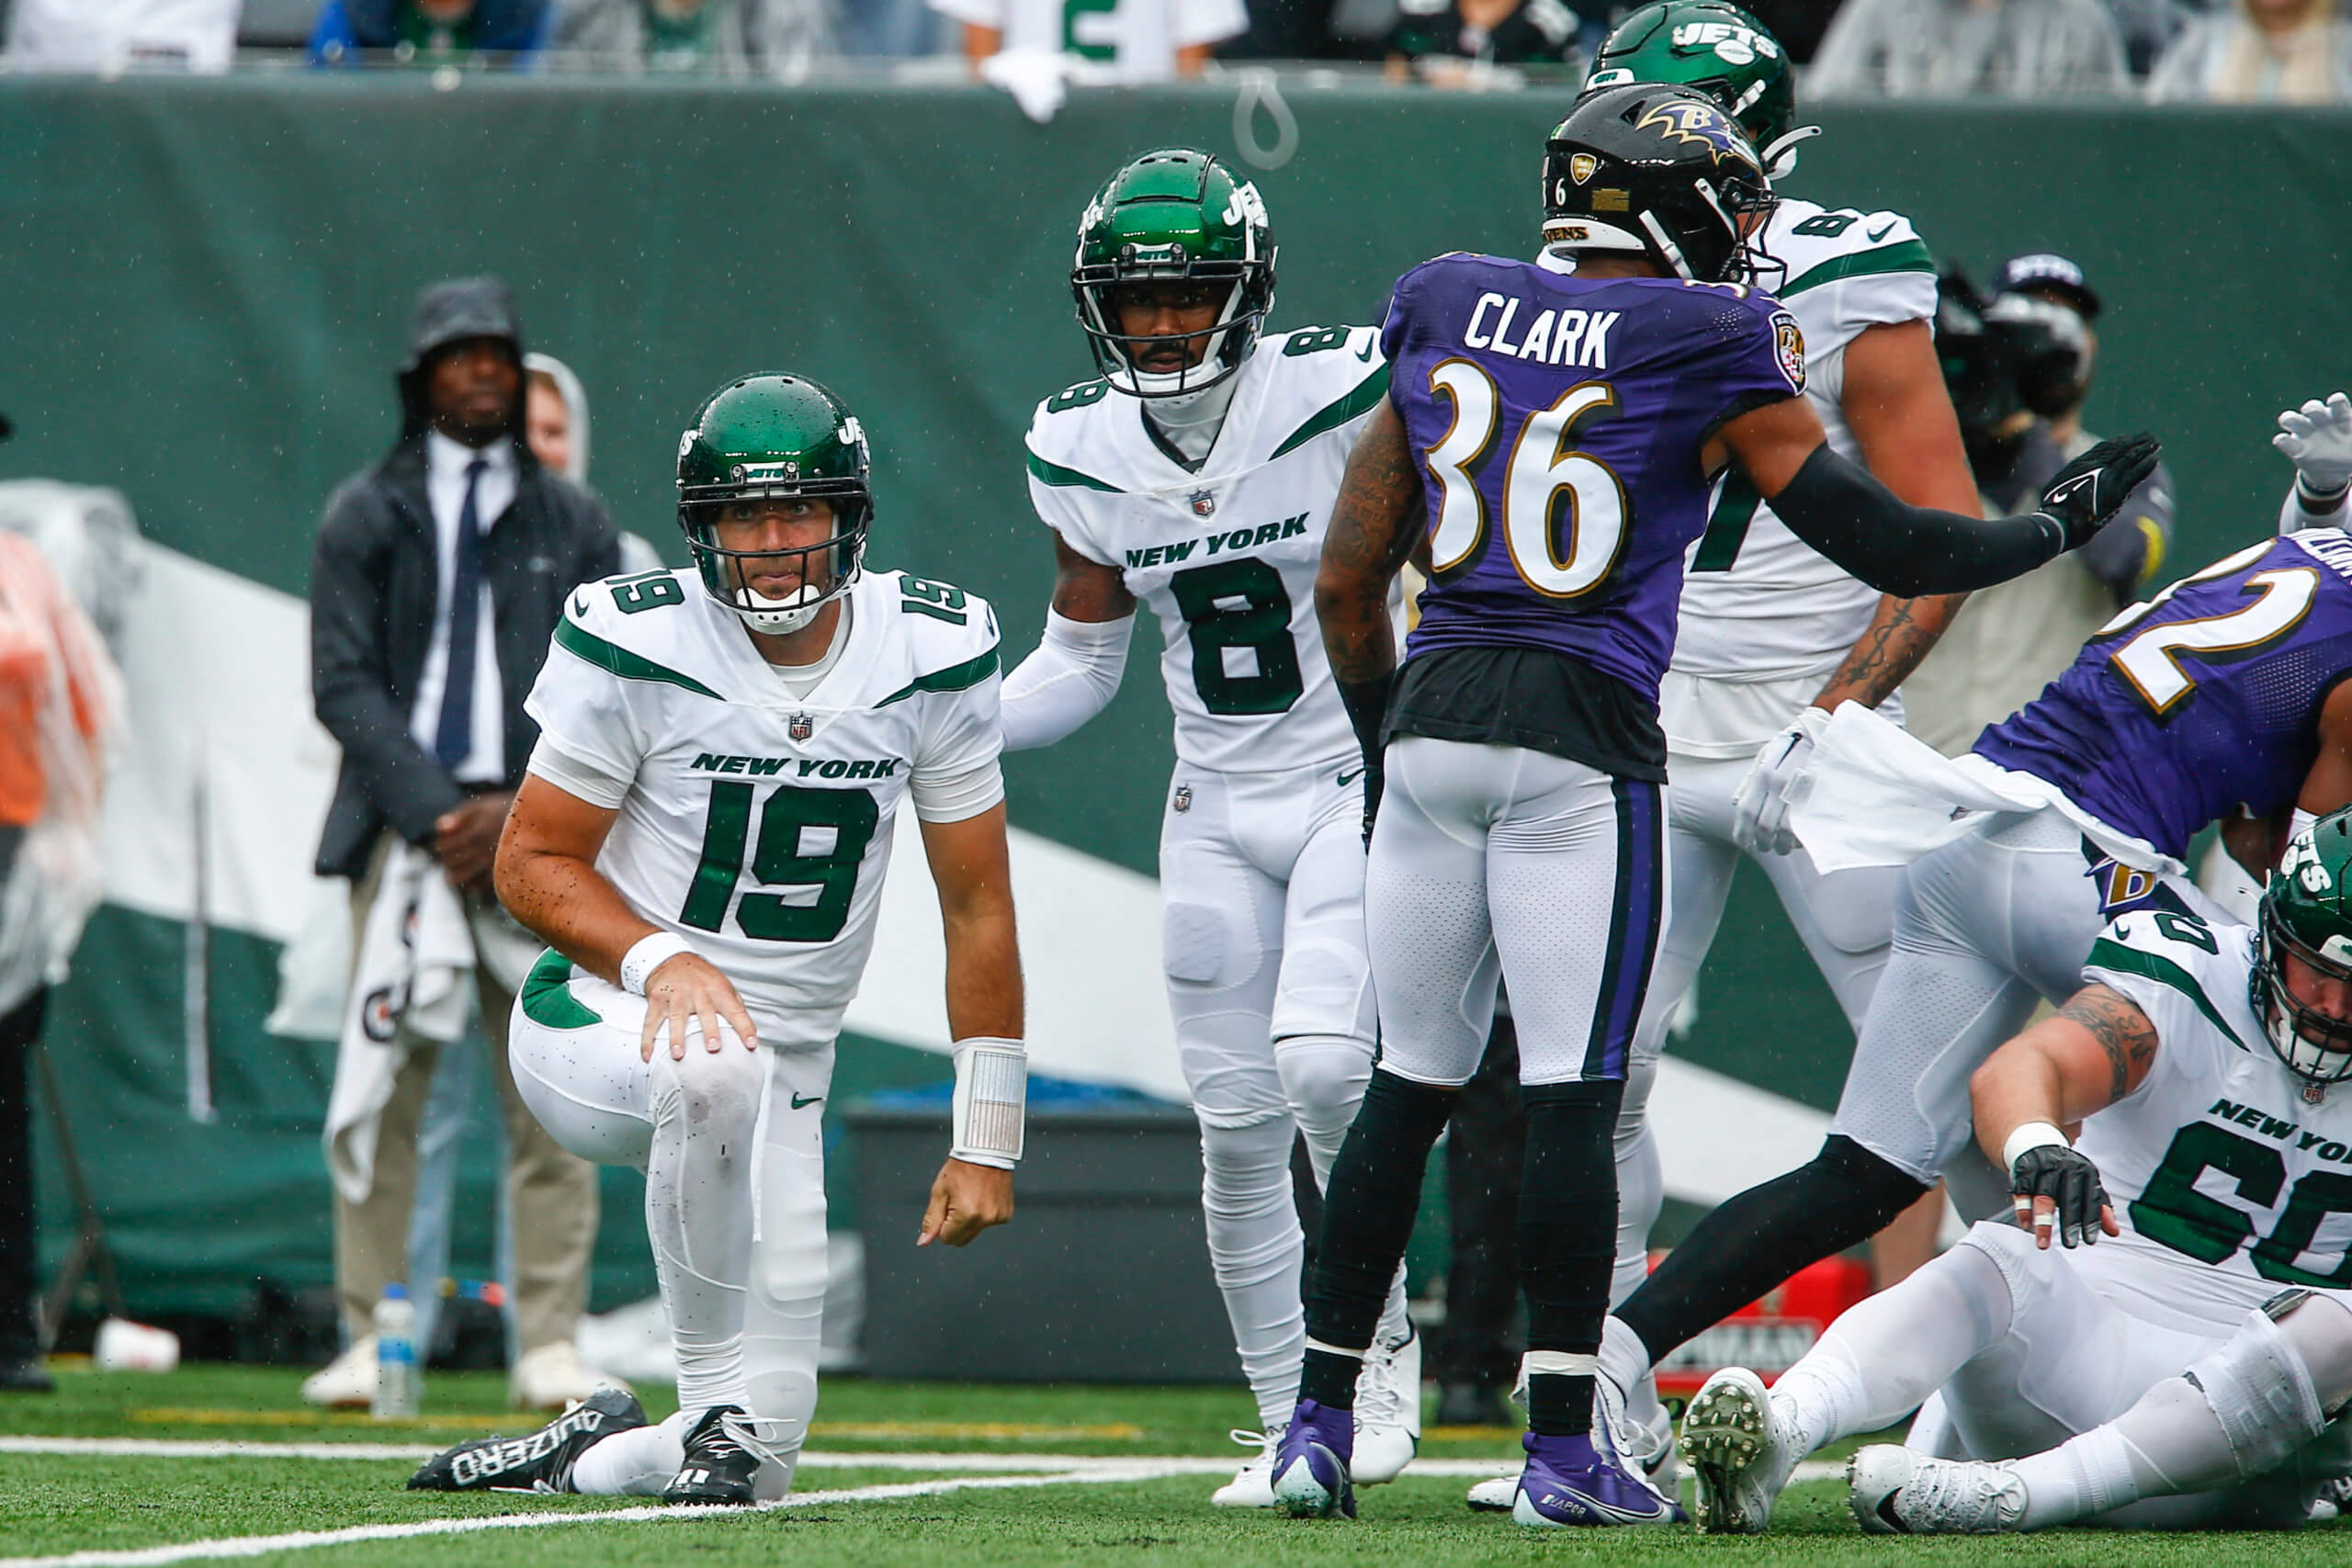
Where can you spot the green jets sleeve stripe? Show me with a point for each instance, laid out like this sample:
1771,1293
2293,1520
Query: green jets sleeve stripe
2107,954
1367,394
548,1000
954,678
1055,474
1911,255
620,660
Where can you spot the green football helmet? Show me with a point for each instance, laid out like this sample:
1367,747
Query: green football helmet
775,435
1721,51
2307,912
1173,215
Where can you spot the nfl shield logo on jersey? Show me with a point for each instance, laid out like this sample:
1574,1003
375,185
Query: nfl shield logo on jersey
802,726
1184,801
1204,503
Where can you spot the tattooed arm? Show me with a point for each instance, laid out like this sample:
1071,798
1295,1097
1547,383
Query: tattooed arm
1375,524
1893,400
2085,1058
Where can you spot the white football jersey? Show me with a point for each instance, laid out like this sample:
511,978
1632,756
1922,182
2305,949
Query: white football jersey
2231,1183
1226,556
758,826
1758,603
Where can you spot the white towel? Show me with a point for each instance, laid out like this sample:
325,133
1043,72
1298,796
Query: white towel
413,981
1873,795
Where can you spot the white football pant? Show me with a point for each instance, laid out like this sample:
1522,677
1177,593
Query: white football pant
1261,876
732,1149
1844,923
2030,1354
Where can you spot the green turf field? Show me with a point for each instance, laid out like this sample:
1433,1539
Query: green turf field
212,1462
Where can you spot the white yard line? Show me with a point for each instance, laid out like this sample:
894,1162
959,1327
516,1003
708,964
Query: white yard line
1010,1464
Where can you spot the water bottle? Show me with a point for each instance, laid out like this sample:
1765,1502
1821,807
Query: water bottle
397,1381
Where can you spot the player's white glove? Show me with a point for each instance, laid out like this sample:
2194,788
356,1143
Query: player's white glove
1760,812
2317,438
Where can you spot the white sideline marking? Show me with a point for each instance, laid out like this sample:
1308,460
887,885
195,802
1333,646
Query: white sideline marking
1015,1464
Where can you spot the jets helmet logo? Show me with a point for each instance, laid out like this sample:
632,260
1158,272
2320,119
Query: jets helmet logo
1581,166
1688,120
1732,44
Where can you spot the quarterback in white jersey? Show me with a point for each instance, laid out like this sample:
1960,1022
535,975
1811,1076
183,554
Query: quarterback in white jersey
1774,636
1196,476
722,754
2184,1372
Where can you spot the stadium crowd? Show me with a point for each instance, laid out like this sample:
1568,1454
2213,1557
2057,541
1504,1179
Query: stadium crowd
2169,50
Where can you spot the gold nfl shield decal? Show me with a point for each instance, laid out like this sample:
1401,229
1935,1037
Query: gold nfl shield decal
1787,347
1581,166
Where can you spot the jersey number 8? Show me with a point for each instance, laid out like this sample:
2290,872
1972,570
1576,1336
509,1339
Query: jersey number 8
811,840
1565,514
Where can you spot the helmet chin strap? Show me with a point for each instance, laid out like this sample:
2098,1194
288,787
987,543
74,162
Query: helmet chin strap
777,616
1780,157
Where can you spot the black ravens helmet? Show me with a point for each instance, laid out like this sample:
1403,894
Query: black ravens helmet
1658,172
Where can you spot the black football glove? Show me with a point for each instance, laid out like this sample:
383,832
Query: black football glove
1375,780
2087,492
2070,1181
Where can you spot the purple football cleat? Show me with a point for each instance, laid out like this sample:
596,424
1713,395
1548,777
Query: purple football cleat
1311,1478
1576,1481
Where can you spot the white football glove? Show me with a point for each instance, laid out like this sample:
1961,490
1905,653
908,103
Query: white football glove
1759,822
2317,438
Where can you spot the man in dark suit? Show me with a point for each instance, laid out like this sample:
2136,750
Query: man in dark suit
436,582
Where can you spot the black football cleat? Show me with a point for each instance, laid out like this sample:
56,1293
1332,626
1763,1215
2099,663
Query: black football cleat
540,1463
719,1467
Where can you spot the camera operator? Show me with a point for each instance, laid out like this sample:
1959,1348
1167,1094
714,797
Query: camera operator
2018,367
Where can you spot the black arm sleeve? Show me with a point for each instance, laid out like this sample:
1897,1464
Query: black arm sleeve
1837,508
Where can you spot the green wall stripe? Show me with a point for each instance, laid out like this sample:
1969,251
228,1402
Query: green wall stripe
2107,954
1055,474
629,666
1911,255
1368,392
954,678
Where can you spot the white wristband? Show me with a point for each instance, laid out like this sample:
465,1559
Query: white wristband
2032,1136
639,963
991,1101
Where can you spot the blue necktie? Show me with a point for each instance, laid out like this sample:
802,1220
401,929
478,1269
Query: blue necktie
453,741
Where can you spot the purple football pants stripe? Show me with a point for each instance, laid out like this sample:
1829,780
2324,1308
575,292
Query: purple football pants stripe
1633,926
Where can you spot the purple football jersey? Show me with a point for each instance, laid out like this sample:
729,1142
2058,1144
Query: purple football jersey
1558,422
2206,699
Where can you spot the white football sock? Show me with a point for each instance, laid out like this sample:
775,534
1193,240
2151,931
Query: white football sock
1258,1253
1884,1356
636,1463
698,1212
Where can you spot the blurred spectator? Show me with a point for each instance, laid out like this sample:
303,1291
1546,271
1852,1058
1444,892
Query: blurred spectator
2026,49
1457,44
2019,369
727,38
2148,27
429,33
1284,29
1134,40
555,422
436,582
61,698
2260,51
118,35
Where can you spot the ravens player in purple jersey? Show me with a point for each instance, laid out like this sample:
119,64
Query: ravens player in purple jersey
1545,450
2224,698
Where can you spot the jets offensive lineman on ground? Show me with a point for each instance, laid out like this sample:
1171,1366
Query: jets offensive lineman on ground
2179,1375
2225,694
702,840
1196,475
1545,448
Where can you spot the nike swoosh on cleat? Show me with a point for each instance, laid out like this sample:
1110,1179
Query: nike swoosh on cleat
1877,234
800,1104
1885,1510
